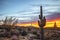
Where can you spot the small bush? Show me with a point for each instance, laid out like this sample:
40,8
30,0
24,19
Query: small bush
24,33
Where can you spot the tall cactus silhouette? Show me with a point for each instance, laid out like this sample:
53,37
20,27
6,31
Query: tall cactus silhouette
42,23
55,26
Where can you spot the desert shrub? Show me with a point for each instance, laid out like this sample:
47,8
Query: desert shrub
29,29
35,32
10,21
7,34
23,33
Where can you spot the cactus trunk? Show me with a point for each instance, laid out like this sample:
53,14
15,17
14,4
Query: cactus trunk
42,33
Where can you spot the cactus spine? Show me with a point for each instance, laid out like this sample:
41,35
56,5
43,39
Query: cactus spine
42,23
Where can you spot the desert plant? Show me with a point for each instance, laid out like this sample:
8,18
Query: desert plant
35,32
10,21
41,23
5,21
42,20
24,33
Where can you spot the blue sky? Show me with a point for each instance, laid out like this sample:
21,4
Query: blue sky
28,10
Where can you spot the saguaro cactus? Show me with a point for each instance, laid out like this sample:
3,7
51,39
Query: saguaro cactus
42,23
55,26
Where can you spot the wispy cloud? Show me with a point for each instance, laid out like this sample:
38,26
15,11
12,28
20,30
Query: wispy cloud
54,16
28,10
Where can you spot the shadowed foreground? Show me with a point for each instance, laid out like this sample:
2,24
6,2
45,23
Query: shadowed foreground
29,33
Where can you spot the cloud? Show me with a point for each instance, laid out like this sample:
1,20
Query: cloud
28,10
54,16
24,19
51,8
1,14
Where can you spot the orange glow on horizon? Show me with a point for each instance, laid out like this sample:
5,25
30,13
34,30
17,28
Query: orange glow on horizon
49,23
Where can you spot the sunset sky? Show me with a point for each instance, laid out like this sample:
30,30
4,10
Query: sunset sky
27,11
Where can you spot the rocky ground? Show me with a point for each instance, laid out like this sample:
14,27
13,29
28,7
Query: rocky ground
29,34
